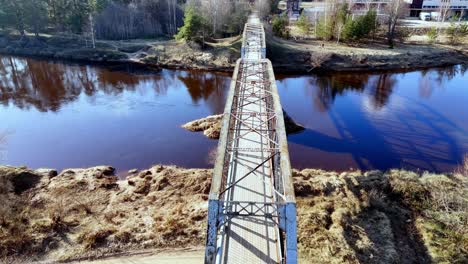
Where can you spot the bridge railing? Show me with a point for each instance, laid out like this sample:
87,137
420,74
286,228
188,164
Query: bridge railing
250,28
283,184
284,207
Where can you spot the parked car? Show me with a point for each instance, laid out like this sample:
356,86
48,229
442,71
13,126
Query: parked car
425,16
435,16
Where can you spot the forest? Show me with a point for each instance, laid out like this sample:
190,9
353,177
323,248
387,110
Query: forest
120,19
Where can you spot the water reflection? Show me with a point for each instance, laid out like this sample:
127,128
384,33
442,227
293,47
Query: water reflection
377,121
379,86
66,115
69,115
331,86
47,85
208,87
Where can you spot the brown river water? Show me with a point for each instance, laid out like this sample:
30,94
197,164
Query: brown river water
64,115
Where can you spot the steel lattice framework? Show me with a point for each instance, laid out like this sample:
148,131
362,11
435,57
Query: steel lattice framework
252,209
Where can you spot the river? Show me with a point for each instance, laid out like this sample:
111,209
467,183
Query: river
65,115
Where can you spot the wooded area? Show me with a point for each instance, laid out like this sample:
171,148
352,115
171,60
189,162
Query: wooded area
120,19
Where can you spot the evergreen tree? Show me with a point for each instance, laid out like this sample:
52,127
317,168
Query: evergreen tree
360,27
303,24
14,14
280,26
35,15
192,30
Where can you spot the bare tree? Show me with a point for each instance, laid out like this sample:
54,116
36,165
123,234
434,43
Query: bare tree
3,138
443,11
263,7
396,9
172,16
462,13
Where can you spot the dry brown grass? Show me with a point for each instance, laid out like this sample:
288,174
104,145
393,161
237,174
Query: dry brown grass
87,213
440,205
352,217
318,59
463,168
394,217
91,239
211,126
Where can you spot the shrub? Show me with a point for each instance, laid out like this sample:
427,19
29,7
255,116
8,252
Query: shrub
457,32
303,24
463,168
432,34
360,27
324,29
280,26
403,33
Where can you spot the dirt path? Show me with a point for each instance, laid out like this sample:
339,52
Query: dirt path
182,256
178,256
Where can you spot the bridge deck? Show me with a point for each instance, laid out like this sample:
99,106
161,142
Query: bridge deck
246,222
251,239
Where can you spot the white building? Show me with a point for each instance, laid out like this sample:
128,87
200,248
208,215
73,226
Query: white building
455,7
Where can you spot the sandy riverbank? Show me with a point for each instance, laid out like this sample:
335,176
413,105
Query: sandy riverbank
349,217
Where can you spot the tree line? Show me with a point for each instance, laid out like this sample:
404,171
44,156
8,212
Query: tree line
109,19
205,19
123,19
338,22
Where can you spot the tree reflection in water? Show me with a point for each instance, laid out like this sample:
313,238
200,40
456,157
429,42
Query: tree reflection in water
208,87
380,128
379,86
71,115
48,85
359,119
329,86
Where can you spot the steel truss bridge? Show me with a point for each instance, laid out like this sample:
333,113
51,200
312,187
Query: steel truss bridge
252,207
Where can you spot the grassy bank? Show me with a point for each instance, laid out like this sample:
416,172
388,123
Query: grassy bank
219,56
351,217
301,56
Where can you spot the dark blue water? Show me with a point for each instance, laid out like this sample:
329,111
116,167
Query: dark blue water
415,120
65,115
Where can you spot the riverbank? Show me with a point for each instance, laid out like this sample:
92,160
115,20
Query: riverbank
349,217
287,56
152,54
302,56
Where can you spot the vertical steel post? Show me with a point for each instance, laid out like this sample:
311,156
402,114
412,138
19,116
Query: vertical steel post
212,231
291,234
287,223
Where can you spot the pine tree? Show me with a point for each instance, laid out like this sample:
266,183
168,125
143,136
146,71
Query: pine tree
193,25
280,26
303,24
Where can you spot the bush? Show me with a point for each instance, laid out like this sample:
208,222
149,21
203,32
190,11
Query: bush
324,30
432,34
280,26
403,33
457,32
360,27
303,24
